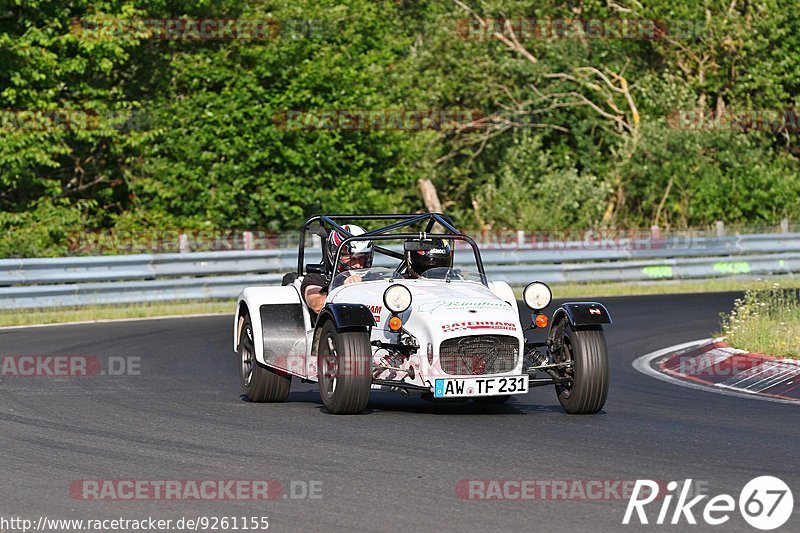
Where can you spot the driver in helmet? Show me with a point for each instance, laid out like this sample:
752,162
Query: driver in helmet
355,255
427,254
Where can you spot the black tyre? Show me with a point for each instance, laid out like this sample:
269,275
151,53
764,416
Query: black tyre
588,389
491,400
344,366
259,383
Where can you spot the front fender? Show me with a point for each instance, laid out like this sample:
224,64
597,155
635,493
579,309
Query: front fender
583,314
347,316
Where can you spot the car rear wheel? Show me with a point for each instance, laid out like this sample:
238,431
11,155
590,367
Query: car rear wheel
587,391
344,366
259,383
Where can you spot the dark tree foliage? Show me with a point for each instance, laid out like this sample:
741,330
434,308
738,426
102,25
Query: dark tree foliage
692,120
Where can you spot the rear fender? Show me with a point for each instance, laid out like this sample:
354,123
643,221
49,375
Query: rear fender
280,321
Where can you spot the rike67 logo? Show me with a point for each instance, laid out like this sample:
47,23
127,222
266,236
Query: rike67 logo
765,503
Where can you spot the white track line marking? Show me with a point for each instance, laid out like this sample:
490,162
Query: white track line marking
642,364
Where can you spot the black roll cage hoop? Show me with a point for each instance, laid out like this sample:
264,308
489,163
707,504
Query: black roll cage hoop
382,234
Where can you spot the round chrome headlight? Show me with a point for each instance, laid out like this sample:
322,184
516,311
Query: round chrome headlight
537,295
397,298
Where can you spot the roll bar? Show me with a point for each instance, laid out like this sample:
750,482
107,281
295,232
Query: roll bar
384,234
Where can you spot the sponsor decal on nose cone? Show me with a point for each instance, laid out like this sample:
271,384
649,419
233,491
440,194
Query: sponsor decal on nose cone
460,305
376,312
478,324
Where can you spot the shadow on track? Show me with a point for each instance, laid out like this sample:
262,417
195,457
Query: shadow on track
382,402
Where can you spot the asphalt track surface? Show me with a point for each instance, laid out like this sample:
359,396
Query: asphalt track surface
393,468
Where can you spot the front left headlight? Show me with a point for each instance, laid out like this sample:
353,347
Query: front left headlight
537,295
397,298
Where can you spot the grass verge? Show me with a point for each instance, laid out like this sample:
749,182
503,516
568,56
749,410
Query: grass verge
765,321
26,317
597,290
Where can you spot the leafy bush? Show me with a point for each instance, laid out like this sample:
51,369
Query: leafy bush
530,194
43,231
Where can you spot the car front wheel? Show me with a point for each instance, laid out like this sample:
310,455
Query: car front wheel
344,366
587,390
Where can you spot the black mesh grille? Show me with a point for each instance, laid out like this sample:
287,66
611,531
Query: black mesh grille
478,355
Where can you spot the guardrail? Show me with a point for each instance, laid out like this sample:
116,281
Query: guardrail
76,281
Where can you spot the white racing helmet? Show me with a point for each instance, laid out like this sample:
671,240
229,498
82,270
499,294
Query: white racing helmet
360,251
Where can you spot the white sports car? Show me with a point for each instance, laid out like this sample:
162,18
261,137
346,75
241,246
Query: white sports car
449,333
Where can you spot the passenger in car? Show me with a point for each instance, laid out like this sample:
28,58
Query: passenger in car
433,253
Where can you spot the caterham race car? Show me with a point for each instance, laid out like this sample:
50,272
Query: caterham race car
445,334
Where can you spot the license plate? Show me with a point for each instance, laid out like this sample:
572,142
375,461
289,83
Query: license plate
494,386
